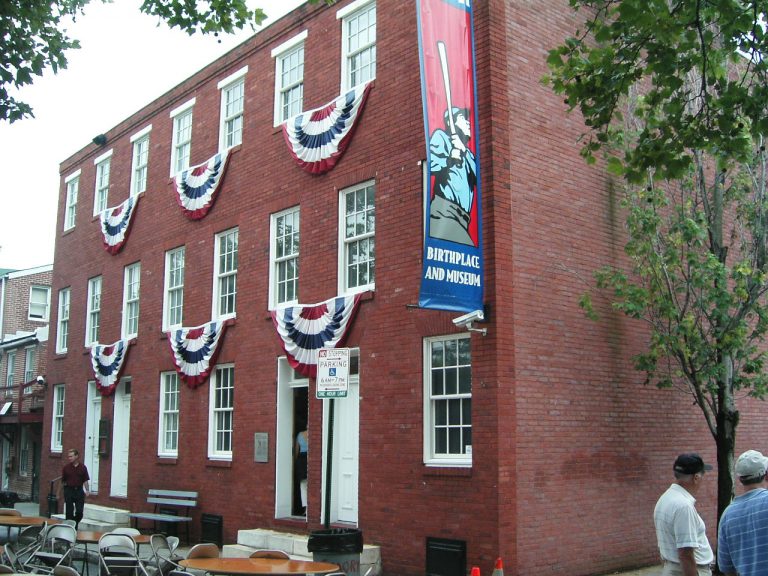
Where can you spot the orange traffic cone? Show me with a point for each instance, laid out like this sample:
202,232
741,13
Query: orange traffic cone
475,571
498,570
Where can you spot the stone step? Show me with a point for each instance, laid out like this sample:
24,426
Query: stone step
101,518
295,545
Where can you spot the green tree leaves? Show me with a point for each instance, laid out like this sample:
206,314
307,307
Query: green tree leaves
674,94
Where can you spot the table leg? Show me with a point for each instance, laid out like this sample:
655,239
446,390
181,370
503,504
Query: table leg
85,569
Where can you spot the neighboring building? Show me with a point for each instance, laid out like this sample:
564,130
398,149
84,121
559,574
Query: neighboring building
25,301
537,442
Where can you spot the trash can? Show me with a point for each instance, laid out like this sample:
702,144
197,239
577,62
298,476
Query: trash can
8,499
341,546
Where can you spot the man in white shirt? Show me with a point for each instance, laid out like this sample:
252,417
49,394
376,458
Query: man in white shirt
680,531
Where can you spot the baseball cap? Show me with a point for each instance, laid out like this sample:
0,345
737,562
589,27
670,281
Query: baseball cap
690,463
751,464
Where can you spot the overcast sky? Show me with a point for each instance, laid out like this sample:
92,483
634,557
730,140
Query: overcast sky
126,60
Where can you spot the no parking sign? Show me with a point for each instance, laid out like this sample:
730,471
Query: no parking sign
332,372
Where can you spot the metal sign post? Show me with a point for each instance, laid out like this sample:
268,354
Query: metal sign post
332,382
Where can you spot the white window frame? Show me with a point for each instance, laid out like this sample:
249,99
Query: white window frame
10,368
347,15
463,346
173,287
283,55
225,275
72,182
140,161
62,322
46,305
101,190
221,414
234,119
281,257
93,311
181,146
131,300
57,419
29,364
351,243
169,415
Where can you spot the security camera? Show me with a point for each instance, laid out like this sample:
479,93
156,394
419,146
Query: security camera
467,319
40,380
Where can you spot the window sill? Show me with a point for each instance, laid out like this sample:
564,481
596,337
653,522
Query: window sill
219,464
167,460
448,471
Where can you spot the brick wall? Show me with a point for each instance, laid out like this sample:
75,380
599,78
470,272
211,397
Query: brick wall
570,452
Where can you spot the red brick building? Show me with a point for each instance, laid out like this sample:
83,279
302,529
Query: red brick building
568,451
25,298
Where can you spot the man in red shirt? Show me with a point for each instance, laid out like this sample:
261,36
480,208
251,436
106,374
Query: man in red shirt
74,479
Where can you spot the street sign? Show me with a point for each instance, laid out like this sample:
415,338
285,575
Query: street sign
332,372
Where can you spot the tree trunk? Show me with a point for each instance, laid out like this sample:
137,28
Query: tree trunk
725,439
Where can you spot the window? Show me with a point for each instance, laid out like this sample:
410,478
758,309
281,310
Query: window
140,161
94,311
168,436
57,426
225,274
448,401
173,303
39,301
222,404
289,78
284,255
358,43
358,224
70,207
131,300
29,364
182,137
62,333
232,100
101,194
10,369
24,451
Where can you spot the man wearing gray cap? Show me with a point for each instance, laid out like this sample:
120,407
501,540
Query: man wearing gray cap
680,531
742,539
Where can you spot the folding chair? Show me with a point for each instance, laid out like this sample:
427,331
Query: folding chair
118,555
205,550
163,558
56,549
10,559
126,530
62,570
270,554
5,569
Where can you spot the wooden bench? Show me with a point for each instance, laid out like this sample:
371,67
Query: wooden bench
163,498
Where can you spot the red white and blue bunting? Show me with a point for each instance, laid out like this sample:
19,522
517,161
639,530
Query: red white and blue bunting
107,362
318,138
304,329
194,351
196,187
115,224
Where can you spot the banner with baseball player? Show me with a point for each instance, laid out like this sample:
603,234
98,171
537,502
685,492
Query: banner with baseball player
452,276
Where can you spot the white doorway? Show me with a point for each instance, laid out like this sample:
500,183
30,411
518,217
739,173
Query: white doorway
120,438
92,418
346,449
